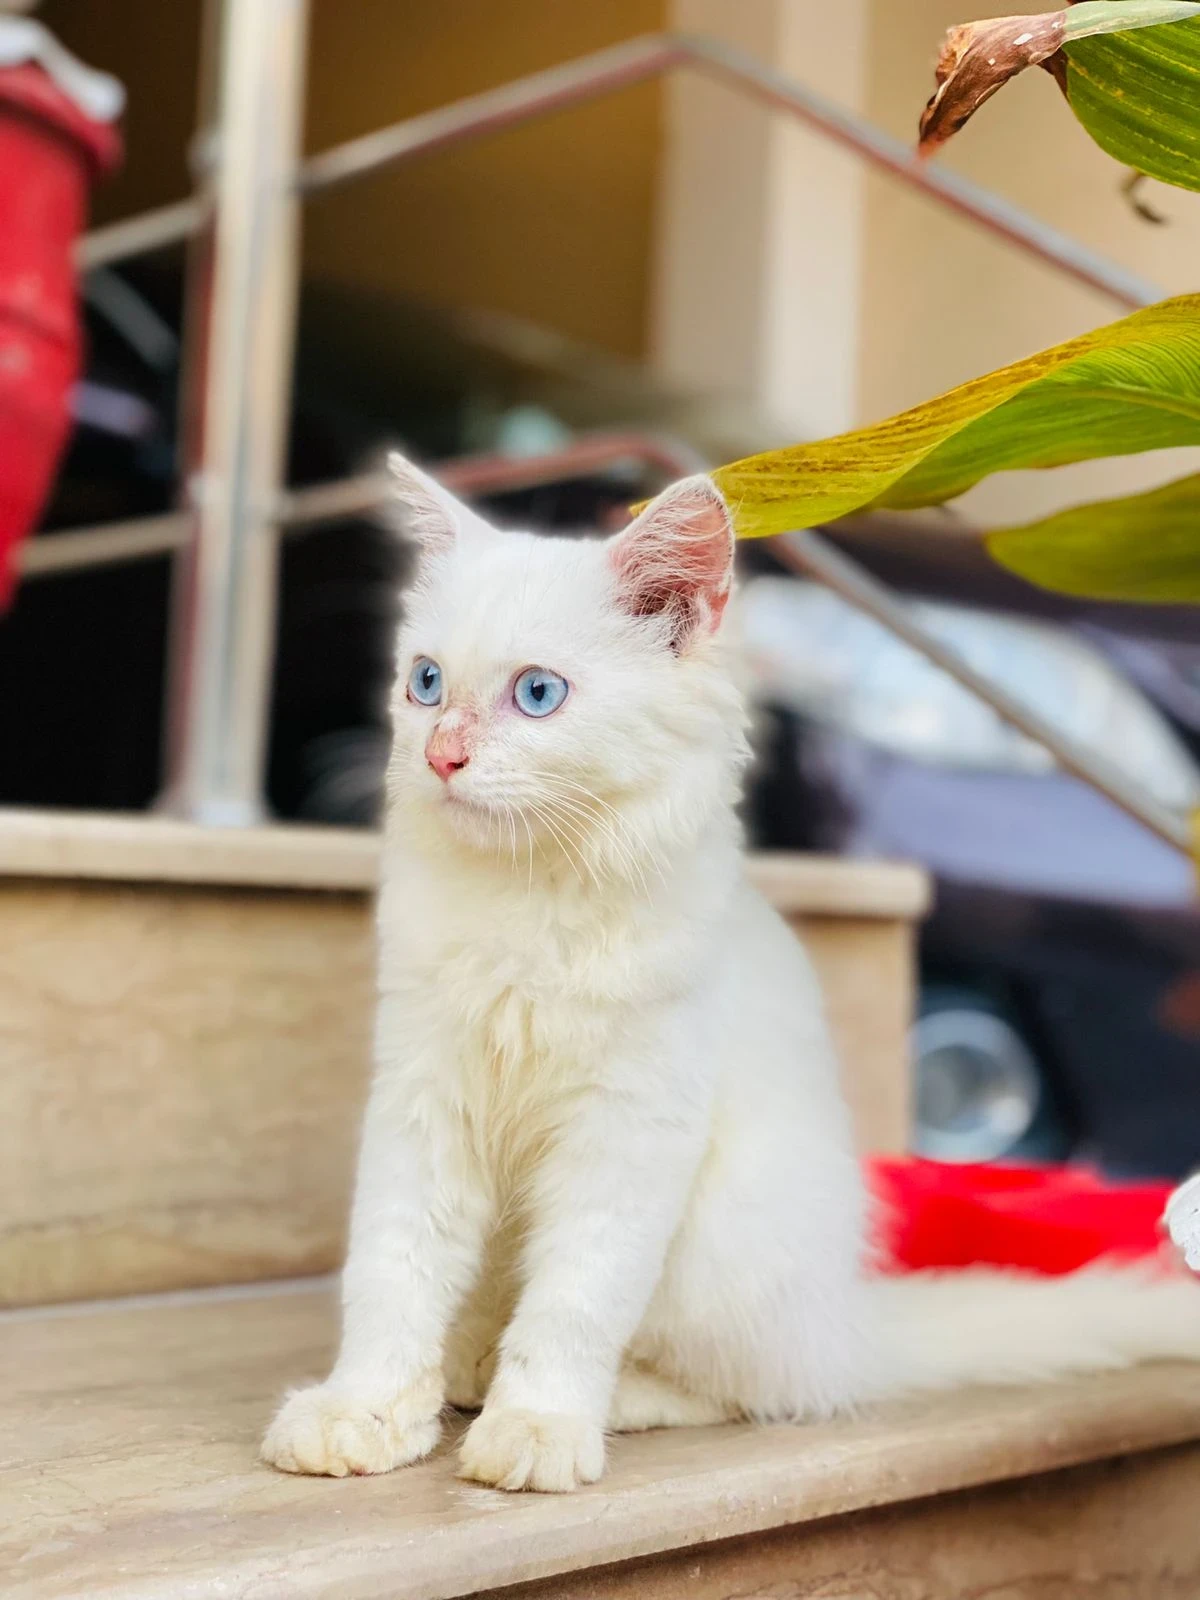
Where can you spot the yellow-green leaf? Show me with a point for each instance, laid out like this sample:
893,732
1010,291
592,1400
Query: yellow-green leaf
1133,385
1138,95
1140,547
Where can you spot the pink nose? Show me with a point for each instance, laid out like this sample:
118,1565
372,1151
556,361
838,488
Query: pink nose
446,753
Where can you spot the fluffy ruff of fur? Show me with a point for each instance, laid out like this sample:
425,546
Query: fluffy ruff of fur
606,1177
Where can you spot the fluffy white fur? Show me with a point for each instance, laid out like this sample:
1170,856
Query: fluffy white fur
606,1177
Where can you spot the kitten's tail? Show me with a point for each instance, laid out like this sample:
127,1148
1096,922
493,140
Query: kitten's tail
945,1330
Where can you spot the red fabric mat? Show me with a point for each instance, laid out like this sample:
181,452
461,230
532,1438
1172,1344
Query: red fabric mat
1041,1219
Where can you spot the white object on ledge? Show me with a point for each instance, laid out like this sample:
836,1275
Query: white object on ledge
98,94
1182,1218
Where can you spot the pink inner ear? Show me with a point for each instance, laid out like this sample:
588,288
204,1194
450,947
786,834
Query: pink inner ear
428,512
425,514
676,560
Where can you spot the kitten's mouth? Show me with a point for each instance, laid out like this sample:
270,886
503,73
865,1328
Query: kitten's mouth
466,804
480,815
455,797
472,819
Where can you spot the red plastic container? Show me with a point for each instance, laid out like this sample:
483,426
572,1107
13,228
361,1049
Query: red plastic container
50,152
1048,1219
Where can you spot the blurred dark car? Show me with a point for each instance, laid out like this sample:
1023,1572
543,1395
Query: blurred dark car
1060,968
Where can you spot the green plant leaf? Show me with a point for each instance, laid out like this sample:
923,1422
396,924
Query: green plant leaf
1088,19
1138,95
1133,385
1129,68
1141,547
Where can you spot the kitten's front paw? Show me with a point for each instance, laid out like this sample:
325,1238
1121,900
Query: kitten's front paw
540,1450
332,1431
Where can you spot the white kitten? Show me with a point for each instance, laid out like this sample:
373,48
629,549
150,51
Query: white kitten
606,1177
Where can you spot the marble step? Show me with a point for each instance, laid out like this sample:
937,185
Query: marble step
184,1023
128,1471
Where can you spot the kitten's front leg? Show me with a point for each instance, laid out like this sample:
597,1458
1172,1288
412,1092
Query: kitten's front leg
415,1234
605,1205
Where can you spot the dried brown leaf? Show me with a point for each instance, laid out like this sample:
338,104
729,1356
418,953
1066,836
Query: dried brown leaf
980,57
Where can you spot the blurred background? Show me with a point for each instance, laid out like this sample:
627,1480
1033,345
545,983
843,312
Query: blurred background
680,266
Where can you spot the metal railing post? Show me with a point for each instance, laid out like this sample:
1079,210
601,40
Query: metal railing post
237,403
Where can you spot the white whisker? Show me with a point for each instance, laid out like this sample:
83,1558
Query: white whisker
635,852
618,846
529,840
512,831
564,844
576,833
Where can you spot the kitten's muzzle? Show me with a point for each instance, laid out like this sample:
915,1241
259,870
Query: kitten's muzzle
446,751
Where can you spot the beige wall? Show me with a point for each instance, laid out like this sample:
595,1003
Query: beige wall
760,227
551,222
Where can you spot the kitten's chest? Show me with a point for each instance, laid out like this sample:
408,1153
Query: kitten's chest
528,1001
524,996
522,1038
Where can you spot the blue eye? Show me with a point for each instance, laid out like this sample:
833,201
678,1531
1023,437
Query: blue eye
425,682
537,693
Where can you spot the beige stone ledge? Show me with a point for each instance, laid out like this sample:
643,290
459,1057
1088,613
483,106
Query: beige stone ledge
128,1472
144,849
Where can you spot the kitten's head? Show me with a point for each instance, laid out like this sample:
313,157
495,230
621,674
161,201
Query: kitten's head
565,701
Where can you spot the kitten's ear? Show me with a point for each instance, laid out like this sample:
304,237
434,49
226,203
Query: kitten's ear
427,512
676,559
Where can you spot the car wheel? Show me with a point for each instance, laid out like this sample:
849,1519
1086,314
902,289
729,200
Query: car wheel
979,1092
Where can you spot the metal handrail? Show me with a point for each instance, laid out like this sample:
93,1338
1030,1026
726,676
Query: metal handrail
494,473
135,236
618,67
299,510
104,544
